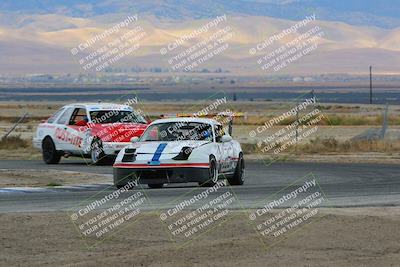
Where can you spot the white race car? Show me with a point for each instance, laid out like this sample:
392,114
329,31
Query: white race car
180,150
95,130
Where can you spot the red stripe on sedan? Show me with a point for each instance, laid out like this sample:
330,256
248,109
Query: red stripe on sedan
166,165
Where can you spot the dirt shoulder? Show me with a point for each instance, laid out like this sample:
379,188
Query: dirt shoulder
43,178
343,237
20,154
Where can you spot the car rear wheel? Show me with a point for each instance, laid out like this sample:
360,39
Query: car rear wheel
212,173
97,153
238,176
49,152
155,185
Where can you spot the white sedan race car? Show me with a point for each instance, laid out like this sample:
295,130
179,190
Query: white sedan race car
180,150
95,130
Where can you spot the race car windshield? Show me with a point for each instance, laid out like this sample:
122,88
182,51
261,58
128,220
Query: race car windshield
115,116
178,131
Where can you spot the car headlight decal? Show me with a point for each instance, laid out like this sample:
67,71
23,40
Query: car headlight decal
129,155
184,153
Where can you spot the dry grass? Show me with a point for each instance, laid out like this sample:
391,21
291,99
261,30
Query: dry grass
259,112
249,148
14,142
14,119
331,145
327,120
15,147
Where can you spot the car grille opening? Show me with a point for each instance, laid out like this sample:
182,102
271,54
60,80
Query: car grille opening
155,174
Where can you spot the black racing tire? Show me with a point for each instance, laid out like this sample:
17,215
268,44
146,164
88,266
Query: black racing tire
97,154
212,173
156,185
49,152
238,176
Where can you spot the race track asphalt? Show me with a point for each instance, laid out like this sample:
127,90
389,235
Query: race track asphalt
344,185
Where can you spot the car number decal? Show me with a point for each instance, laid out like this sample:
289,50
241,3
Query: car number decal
66,136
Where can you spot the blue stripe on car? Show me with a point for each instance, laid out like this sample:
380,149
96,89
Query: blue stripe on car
157,154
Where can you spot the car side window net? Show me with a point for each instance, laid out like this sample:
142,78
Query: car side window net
78,115
219,132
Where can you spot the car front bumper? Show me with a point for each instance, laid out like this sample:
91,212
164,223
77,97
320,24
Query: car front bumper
113,148
179,173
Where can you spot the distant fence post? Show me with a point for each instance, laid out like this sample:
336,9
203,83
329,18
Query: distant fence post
15,125
385,122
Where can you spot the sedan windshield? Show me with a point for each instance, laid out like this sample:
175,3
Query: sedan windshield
115,116
178,131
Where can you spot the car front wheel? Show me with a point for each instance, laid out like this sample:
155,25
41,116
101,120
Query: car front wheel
49,152
212,173
238,176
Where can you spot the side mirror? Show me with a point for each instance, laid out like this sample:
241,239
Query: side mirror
226,138
134,139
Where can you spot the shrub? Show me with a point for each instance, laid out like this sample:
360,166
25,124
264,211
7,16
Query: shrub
13,142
